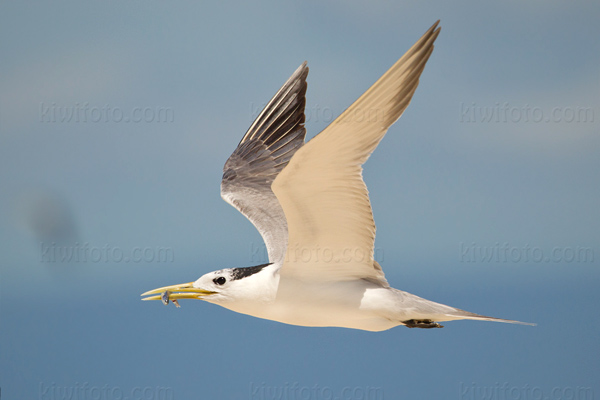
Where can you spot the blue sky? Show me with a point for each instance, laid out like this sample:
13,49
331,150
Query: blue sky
485,194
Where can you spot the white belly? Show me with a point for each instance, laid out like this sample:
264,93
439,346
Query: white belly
354,304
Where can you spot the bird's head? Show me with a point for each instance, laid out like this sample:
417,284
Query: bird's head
222,286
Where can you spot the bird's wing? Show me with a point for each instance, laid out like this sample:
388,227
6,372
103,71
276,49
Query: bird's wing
263,152
325,200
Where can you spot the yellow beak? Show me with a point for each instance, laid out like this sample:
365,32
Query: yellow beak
176,292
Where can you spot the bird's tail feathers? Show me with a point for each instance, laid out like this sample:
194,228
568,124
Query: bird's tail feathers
472,316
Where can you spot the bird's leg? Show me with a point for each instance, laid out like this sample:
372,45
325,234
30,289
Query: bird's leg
422,323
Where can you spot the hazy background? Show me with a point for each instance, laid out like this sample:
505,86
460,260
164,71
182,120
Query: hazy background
486,197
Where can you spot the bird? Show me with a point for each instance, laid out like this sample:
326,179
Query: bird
311,206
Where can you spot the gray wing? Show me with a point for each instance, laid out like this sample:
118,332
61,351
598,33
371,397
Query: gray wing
266,148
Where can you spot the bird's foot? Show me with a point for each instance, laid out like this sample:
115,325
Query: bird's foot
422,323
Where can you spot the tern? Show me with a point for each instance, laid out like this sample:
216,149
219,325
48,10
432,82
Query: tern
311,206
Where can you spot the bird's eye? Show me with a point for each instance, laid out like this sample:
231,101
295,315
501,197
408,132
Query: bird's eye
220,280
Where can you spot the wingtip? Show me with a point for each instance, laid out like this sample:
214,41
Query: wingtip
435,29
302,66
427,39
301,72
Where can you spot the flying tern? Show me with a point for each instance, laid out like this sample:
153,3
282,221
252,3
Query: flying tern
311,206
